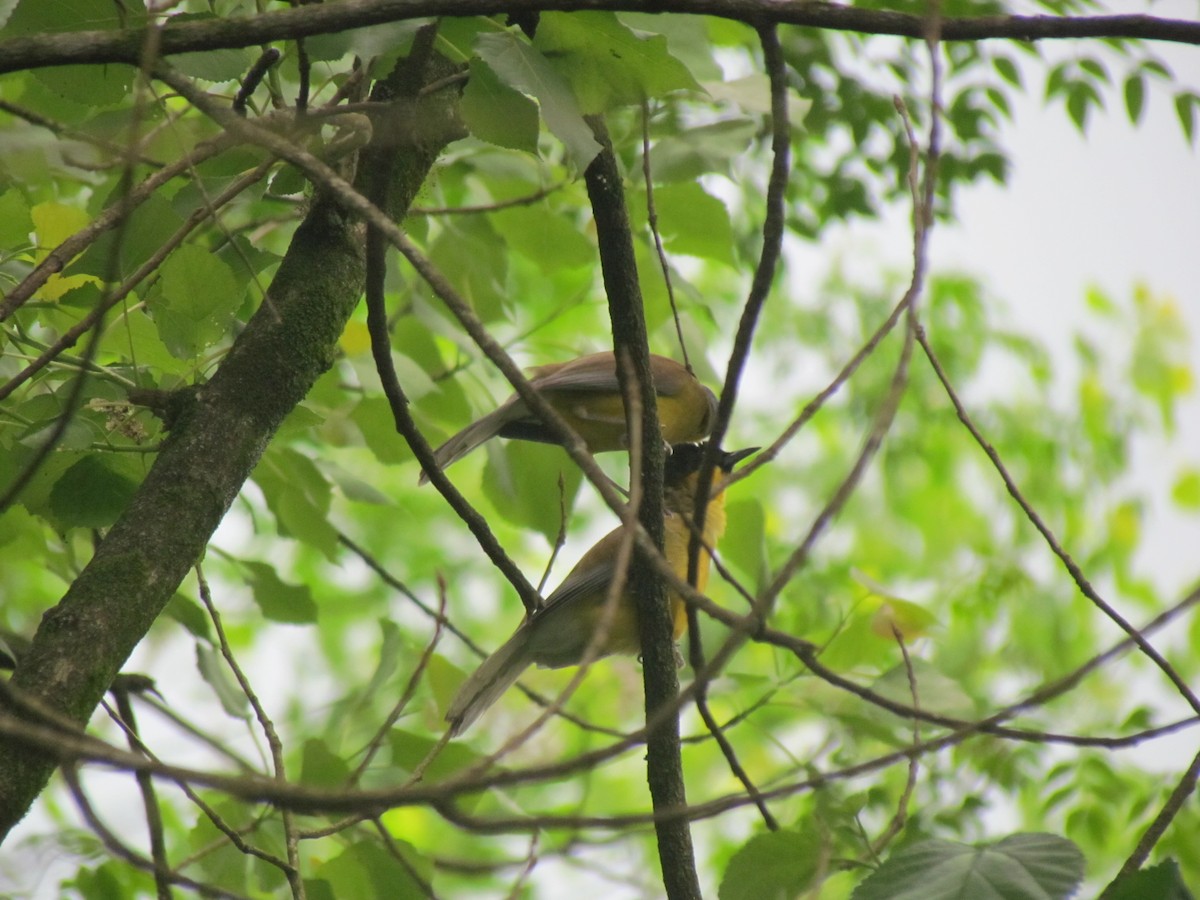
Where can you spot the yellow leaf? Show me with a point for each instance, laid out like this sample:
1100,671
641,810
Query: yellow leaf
355,339
53,223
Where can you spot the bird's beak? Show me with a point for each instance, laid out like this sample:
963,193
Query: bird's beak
731,458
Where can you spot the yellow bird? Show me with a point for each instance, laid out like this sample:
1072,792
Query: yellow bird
558,634
585,392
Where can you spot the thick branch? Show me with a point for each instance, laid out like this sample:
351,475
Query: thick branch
664,764
38,51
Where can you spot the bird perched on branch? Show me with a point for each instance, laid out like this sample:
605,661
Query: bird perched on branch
559,633
585,392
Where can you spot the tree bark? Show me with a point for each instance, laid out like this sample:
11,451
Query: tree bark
213,446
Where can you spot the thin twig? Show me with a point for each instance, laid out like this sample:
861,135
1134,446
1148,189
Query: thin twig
295,880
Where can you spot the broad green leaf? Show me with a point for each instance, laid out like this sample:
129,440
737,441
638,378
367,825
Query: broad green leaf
91,494
16,223
744,542
473,256
321,767
606,64
524,68
299,496
545,238
693,222
776,864
752,94
367,869
278,600
1160,882
138,238
1019,867
410,749
521,481
935,692
53,223
373,416
497,113
195,302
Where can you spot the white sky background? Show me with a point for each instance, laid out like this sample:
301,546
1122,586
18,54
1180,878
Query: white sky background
1113,208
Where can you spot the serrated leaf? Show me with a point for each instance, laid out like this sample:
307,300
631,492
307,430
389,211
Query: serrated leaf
606,63
498,114
196,300
775,864
278,600
524,68
1135,97
215,673
1160,882
1019,867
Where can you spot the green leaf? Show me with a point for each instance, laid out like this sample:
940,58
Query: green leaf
410,749
16,224
222,64
1160,882
190,614
298,494
90,494
935,692
777,864
524,68
474,257
1135,97
1078,99
1095,68
373,416
521,481
1186,490
215,672
1007,69
1185,109
546,238
278,600
694,223
321,767
195,302
606,64
1019,867
366,869
496,113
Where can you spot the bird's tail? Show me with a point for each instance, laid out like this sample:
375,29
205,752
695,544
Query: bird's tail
469,438
493,677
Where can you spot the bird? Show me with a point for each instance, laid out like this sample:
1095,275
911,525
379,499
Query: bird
559,632
585,392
